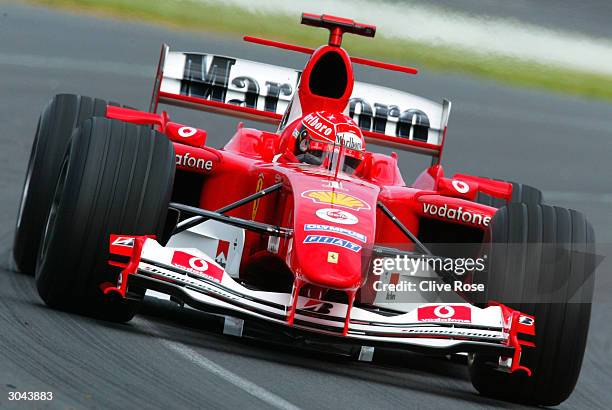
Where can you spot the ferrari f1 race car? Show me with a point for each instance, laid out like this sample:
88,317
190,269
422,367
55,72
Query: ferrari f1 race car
303,231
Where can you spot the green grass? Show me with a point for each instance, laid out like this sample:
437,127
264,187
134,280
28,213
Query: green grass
233,21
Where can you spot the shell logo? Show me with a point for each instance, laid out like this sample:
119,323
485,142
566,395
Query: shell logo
336,198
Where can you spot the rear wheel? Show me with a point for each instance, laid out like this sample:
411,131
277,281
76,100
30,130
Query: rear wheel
63,114
521,193
115,178
542,263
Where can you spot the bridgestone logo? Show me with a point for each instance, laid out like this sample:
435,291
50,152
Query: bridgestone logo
456,214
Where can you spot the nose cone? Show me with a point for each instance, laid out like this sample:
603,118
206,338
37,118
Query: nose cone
334,224
330,261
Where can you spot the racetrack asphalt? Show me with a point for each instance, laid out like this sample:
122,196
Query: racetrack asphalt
170,358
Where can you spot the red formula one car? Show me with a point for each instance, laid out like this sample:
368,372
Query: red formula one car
302,230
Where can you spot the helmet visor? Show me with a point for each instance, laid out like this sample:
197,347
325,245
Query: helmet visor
331,157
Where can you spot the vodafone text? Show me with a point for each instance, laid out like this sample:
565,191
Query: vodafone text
191,162
456,214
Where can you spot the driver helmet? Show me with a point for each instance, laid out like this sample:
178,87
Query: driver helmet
331,140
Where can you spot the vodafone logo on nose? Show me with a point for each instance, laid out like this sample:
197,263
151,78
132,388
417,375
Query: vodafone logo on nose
197,265
445,313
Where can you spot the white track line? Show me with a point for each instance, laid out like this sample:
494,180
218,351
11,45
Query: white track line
240,382
196,358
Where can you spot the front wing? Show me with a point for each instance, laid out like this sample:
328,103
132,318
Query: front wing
194,278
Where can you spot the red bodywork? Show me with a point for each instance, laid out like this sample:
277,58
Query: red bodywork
246,164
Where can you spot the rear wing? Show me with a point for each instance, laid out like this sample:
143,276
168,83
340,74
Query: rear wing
264,92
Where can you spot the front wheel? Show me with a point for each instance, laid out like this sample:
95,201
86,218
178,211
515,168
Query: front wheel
542,263
115,178
521,193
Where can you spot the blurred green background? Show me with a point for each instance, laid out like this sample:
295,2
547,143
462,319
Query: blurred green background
236,18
